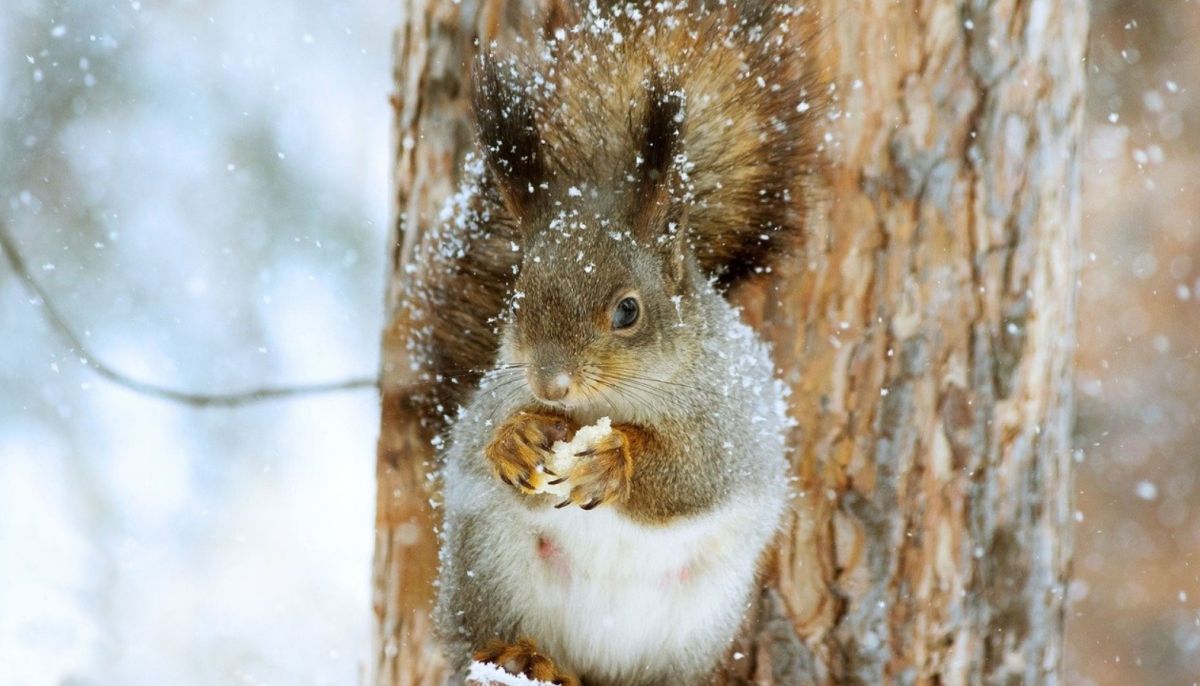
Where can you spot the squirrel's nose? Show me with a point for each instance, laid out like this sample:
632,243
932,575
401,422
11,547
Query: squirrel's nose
551,384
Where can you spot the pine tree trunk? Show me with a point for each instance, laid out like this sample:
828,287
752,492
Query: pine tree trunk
928,334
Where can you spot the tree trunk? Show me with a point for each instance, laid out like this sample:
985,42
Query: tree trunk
927,332
431,48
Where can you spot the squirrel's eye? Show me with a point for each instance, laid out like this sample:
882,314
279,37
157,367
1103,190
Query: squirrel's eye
626,313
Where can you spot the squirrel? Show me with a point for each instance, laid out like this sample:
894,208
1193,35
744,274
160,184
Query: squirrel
634,167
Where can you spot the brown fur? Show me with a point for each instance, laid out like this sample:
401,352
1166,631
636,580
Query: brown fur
735,75
457,301
751,151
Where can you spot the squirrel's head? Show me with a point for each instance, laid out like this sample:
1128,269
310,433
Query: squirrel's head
599,316
604,308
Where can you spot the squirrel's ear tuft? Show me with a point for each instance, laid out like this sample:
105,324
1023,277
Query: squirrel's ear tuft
508,133
659,136
661,130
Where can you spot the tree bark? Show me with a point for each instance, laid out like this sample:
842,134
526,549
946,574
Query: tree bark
927,332
431,48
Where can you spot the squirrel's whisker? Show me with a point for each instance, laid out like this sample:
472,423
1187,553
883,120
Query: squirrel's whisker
502,382
593,390
630,372
608,386
634,395
512,386
502,367
636,382
628,376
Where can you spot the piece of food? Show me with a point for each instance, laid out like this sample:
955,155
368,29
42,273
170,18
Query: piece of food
564,455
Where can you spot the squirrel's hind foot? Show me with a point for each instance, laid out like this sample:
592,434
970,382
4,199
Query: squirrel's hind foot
524,659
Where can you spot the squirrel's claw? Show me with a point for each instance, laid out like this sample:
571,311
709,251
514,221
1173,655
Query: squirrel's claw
604,476
520,446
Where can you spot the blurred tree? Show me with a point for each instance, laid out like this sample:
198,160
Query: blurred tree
927,332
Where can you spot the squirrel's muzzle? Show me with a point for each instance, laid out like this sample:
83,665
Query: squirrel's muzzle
549,383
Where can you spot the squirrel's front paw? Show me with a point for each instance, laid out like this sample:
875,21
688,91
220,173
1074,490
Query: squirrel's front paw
523,658
603,472
519,449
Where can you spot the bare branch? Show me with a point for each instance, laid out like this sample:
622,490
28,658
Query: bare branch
228,399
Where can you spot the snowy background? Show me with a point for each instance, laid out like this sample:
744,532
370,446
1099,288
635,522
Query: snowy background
202,186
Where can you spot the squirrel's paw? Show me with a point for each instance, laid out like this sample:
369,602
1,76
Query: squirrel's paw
521,445
603,472
524,659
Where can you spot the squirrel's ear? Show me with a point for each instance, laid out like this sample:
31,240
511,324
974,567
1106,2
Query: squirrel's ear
508,134
661,131
659,134
659,201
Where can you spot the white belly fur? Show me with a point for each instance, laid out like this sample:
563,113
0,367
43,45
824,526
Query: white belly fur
615,598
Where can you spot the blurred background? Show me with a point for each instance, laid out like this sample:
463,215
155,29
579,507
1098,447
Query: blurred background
203,189
1135,611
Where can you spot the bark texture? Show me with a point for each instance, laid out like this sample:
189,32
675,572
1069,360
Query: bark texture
432,46
927,333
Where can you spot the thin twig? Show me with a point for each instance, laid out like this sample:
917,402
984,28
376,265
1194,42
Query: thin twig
230,399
